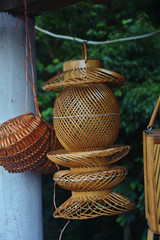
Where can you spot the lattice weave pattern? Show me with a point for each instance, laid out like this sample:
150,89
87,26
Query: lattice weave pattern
24,142
90,181
91,184
86,117
98,204
86,121
90,158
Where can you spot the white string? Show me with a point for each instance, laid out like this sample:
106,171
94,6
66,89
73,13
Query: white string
97,42
88,115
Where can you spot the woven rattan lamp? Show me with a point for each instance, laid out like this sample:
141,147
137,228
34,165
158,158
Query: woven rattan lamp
86,122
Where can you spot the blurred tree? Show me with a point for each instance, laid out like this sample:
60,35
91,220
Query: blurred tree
139,62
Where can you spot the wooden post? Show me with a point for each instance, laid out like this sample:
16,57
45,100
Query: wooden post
20,193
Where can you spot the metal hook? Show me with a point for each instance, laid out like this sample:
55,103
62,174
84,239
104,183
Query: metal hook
149,128
70,22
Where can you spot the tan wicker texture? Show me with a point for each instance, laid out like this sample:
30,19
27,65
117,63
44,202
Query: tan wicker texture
91,185
88,159
86,121
80,72
93,204
86,117
91,180
24,142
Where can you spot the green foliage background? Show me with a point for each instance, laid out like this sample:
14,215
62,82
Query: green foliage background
139,62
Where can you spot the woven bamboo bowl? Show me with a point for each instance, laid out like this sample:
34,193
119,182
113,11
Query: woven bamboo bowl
86,117
88,159
84,180
93,204
24,142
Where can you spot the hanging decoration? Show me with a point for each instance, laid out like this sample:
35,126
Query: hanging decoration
25,140
151,154
86,121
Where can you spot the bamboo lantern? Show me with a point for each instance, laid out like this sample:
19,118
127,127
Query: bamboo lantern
86,121
151,153
24,142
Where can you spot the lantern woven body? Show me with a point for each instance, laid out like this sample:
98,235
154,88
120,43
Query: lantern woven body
24,142
86,117
86,121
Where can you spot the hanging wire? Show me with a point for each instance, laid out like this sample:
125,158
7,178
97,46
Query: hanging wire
97,42
29,53
89,18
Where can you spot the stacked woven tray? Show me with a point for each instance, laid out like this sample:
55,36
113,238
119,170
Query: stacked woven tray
86,122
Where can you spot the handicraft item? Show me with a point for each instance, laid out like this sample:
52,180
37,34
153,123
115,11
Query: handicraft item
24,142
86,122
151,154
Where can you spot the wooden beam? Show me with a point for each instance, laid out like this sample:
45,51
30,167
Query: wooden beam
35,7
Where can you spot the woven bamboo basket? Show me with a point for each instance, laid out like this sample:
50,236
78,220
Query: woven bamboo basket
86,117
86,180
88,159
93,204
24,142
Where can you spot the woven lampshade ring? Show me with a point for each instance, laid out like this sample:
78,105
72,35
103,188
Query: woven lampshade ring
86,117
90,181
85,207
84,75
88,159
26,147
